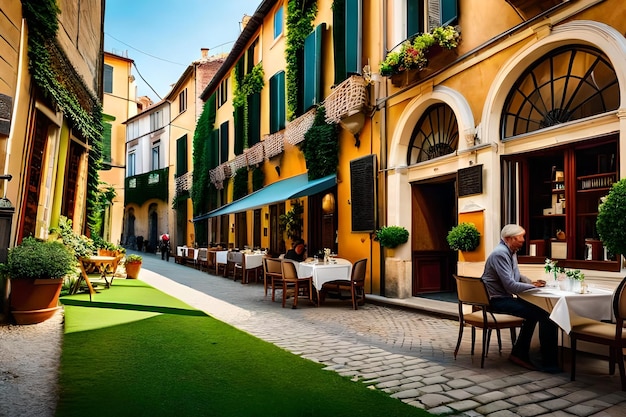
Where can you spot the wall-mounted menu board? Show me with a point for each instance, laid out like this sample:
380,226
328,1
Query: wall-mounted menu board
470,180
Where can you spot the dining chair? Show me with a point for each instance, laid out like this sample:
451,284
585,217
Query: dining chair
292,284
356,284
202,261
473,292
232,258
272,275
607,334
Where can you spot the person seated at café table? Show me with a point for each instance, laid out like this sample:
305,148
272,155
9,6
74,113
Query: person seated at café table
297,252
504,280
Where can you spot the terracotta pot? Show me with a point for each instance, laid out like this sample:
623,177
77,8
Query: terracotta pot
34,300
132,269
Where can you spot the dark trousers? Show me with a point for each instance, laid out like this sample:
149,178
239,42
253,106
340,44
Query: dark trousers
532,314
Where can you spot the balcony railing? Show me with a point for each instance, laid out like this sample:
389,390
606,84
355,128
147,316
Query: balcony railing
143,187
184,182
350,98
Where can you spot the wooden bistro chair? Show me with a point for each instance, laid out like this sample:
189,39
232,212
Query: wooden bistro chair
356,284
473,292
272,275
294,285
202,261
232,258
607,334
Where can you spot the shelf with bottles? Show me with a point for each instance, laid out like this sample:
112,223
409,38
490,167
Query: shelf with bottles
595,182
558,187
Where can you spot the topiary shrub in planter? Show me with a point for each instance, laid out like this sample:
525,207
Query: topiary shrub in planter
391,236
611,221
464,237
36,270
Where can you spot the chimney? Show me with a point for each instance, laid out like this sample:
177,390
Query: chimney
204,52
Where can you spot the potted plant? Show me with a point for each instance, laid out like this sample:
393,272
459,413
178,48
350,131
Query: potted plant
132,264
414,53
391,236
610,221
36,270
464,237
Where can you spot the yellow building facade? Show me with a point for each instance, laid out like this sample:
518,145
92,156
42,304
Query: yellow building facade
517,120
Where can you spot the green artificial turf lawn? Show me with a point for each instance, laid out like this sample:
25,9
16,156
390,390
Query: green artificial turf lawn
135,351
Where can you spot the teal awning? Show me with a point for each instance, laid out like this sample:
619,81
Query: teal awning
294,187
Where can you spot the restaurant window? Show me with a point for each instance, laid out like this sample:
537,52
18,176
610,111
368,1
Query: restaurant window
569,83
554,193
435,134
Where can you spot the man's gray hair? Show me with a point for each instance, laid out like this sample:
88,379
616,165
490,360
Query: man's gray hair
511,230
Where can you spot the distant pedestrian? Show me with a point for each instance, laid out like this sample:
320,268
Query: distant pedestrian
164,246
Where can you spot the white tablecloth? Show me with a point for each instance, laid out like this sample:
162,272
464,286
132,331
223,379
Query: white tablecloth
221,256
253,260
568,308
324,272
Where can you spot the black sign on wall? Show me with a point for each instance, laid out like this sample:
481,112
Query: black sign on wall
470,180
363,193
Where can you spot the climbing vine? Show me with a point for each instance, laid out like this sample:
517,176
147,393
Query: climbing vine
53,73
251,83
321,146
300,15
200,196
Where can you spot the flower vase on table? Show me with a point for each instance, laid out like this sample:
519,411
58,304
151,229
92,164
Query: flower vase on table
326,255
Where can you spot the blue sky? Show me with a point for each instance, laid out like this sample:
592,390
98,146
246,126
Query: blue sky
164,36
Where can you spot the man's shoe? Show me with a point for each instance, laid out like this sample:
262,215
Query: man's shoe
524,363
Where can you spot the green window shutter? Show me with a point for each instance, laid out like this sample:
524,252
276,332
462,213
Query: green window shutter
339,41
414,17
313,67
449,12
353,44
239,120
181,156
214,159
108,79
224,142
254,119
277,102
106,146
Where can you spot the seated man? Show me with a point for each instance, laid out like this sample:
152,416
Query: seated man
503,280
297,252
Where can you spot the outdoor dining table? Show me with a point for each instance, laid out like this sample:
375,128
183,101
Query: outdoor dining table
569,308
251,262
323,272
102,264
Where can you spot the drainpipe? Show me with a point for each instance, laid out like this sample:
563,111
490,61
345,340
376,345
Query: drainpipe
382,182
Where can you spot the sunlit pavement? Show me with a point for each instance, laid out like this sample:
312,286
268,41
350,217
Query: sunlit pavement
405,352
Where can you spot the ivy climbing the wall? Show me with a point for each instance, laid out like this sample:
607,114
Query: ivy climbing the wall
321,147
300,16
54,75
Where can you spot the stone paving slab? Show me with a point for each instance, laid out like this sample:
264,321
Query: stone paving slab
405,352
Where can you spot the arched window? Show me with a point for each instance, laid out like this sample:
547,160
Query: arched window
435,134
567,84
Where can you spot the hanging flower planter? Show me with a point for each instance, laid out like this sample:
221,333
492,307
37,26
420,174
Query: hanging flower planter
421,56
